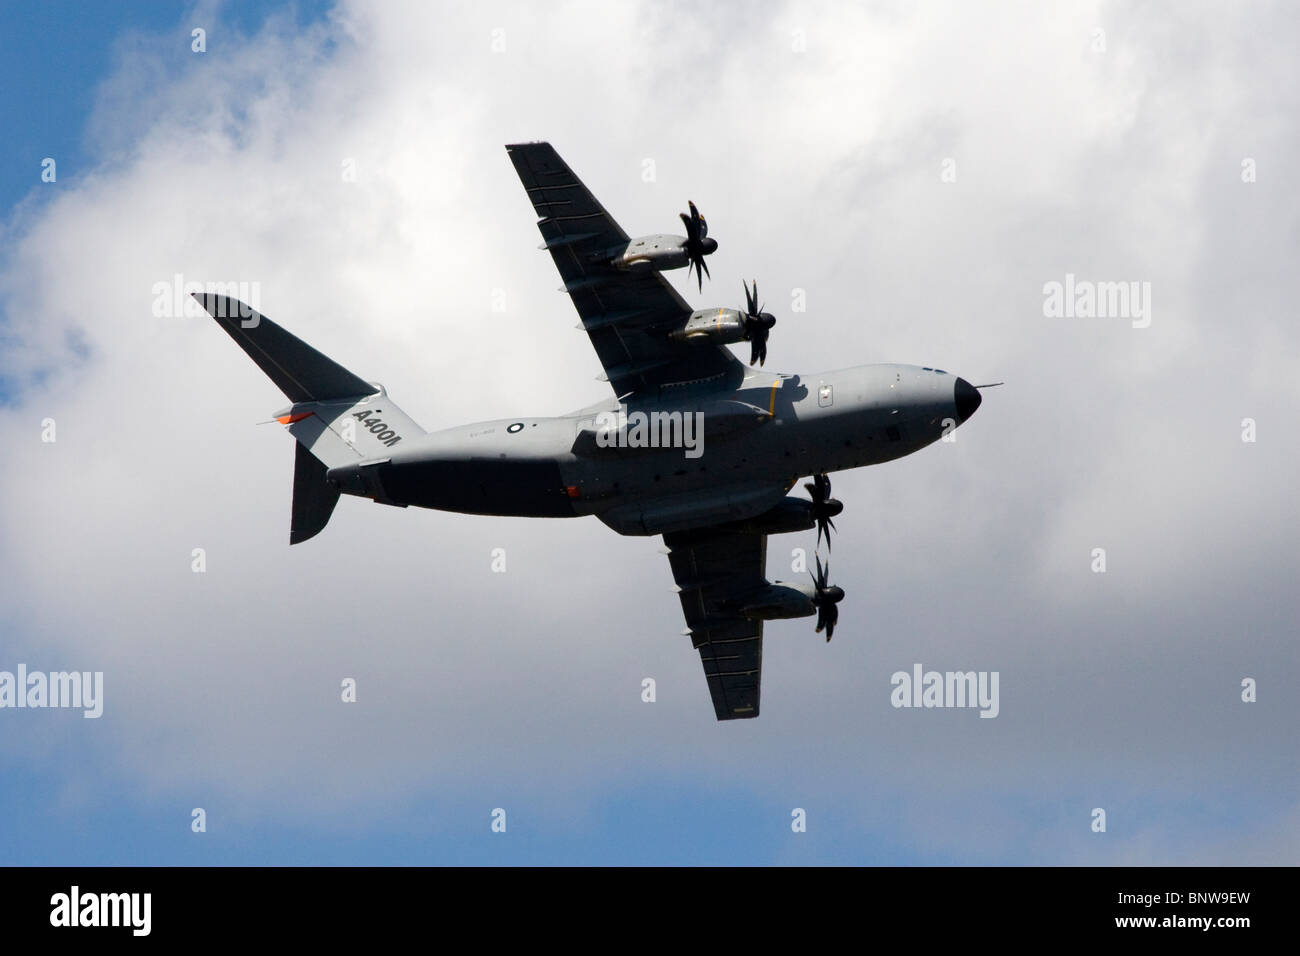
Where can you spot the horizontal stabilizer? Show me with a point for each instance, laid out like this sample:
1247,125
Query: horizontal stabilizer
302,373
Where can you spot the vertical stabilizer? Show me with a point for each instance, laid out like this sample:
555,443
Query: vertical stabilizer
313,497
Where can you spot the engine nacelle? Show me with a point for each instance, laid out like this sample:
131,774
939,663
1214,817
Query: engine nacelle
779,601
719,326
790,514
652,254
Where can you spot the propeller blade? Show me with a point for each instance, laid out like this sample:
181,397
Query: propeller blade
825,598
827,616
695,246
757,323
824,506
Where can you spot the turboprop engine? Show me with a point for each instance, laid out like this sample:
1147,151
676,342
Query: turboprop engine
662,252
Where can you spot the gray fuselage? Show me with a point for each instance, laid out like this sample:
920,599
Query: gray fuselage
756,440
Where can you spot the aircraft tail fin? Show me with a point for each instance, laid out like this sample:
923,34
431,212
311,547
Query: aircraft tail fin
337,418
313,497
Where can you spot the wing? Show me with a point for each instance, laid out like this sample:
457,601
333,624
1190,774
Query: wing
716,570
627,315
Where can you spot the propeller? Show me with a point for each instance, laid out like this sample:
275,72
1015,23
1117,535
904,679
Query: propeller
825,598
757,324
824,507
697,245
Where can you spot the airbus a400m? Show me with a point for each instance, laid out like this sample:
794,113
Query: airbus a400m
761,431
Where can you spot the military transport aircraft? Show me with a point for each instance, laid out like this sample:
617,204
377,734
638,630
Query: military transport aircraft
710,471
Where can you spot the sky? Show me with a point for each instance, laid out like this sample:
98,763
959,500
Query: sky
916,175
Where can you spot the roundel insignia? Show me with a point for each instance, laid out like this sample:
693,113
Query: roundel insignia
516,427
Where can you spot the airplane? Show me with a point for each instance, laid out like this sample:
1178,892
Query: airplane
718,444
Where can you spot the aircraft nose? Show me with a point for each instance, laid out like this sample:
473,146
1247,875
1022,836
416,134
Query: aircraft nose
968,399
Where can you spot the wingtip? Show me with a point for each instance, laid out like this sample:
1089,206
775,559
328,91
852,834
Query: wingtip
226,309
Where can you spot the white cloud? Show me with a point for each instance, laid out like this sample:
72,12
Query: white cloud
817,170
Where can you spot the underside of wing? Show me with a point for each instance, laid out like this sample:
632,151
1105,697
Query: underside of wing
717,571
627,315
